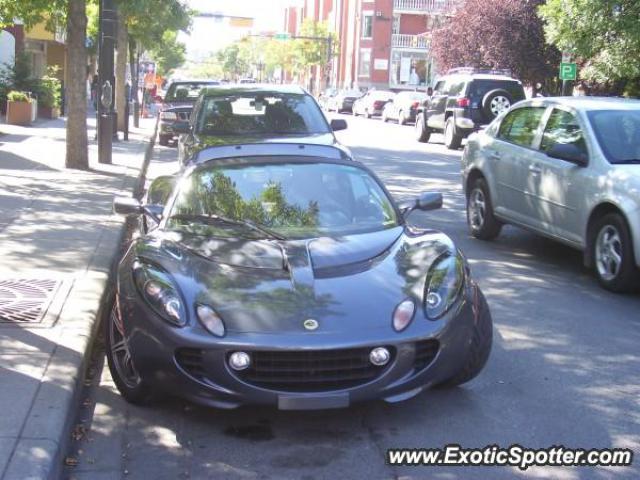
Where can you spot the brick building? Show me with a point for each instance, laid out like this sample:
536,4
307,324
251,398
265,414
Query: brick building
383,43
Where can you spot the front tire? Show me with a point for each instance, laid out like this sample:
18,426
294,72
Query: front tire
421,130
480,347
480,218
367,114
127,379
452,140
612,253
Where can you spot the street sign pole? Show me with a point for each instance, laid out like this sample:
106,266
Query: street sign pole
568,74
106,79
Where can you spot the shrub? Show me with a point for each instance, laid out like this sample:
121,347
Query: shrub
17,96
49,89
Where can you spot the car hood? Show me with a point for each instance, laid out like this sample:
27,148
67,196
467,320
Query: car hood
351,282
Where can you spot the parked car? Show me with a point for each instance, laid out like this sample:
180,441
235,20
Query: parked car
247,81
261,284
238,114
325,97
177,106
569,169
464,101
403,107
343,101
372,103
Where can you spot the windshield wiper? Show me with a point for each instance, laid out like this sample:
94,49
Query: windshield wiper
627,161
213,218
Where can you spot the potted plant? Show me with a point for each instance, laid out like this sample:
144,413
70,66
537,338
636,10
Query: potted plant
19,108
49,95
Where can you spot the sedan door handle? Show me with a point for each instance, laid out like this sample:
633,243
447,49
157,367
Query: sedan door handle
535,170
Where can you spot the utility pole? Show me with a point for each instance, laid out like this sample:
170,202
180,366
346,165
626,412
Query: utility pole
106,79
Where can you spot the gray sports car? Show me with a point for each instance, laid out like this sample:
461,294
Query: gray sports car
286,275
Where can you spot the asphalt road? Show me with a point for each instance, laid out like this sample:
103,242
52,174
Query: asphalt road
564,370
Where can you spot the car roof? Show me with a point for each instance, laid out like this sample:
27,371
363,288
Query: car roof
195,80
231,88
588,103
479,76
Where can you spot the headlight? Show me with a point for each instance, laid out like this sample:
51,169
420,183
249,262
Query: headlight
444,285
159,291
168,116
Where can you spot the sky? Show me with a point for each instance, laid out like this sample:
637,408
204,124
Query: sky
206,36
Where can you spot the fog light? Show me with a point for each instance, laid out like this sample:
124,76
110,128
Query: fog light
239,360
379,356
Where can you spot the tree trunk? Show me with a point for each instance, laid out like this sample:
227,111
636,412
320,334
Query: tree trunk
121,69
77,154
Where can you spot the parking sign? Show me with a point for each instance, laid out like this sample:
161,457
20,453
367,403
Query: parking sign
568,71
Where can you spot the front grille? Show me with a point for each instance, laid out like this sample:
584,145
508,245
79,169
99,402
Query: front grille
311,370
426,351
191,361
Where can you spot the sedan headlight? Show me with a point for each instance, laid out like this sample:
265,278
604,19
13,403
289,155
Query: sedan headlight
170,116
444,284
160,292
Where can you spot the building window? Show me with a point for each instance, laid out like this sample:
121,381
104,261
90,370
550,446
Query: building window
367,25
410,69
364,70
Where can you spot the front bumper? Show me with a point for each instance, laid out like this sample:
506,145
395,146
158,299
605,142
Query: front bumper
158,354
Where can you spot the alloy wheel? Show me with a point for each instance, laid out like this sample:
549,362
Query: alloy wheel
608,252
477,208
499,104
120,354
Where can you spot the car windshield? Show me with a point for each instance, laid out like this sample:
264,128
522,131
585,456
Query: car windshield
185,92
260,113
618,133
287,200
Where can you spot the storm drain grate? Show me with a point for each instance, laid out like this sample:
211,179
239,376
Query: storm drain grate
26,301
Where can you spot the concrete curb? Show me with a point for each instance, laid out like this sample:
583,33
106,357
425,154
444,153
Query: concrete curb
39,453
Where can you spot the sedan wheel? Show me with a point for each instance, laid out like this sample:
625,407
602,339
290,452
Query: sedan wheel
124,373
613,254
482,223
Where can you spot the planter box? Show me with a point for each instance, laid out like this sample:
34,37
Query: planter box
48,112
19,113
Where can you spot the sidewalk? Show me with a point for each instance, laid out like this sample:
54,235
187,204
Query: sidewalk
58,241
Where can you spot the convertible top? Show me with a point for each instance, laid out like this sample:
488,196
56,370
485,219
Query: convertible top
270,149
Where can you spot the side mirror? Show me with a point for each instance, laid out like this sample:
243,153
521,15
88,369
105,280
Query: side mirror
338,124
127,206
181,127
569,153
425,202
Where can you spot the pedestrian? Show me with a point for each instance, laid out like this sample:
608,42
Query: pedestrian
94,92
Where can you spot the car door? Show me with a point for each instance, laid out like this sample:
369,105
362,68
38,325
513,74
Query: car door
510,156
437,105
187,142
559,184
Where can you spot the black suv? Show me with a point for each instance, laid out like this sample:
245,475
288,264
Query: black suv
465,100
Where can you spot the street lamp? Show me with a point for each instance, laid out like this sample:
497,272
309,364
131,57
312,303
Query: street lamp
106,78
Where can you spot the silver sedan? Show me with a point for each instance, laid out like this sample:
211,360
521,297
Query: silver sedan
567,168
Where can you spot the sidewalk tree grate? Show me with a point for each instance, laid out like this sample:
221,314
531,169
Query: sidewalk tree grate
26,301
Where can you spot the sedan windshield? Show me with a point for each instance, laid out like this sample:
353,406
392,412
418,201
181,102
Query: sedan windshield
260,113
618,133
302,200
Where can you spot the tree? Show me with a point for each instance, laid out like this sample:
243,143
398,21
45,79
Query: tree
604,34
232,62
505,34
169,53
310,53
55,13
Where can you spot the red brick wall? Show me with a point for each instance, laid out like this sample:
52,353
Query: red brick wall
413,24
381,43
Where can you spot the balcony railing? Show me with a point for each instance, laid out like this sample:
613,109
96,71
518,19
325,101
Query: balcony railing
399,40
434,7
